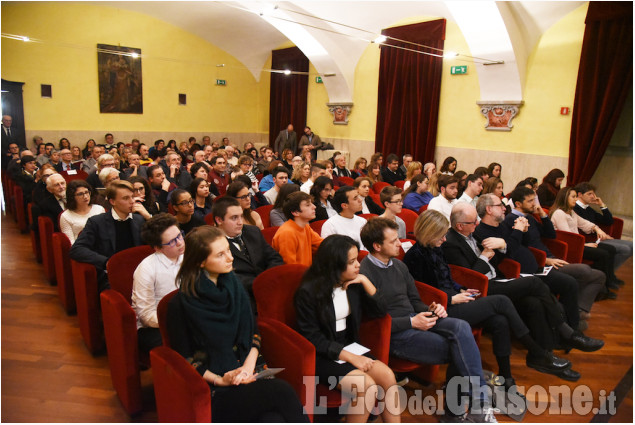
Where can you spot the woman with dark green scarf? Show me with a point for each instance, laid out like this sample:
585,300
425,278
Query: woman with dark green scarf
211,324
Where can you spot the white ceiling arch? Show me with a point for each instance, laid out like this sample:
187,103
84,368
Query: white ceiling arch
250,30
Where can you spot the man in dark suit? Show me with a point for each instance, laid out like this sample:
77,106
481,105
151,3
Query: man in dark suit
10,134
53,202
531,297
392,173
26,179
252,254
286,139
108,233
66,162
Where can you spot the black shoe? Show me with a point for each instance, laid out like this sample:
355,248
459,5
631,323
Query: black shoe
568,375
619,281
612,285
581,342
608,295
548,363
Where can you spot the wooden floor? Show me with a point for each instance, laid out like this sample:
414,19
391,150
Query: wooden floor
49,376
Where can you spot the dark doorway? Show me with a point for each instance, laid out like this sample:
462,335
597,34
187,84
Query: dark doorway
12,105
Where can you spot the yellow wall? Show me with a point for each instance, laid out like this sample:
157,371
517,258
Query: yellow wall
190,68
539,128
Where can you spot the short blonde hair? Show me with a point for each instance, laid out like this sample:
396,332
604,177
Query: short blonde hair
430,226
111,190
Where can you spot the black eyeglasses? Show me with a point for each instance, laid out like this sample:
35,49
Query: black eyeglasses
172,242
186,203
475,222
243,198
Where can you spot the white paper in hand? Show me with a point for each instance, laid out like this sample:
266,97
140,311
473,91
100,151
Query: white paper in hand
354,348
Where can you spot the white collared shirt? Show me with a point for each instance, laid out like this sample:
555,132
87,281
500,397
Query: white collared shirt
116,216
154,278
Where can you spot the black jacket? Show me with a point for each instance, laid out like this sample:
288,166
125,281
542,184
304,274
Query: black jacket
458,252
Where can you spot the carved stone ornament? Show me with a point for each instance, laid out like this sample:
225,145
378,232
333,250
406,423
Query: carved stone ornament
340,112
500,114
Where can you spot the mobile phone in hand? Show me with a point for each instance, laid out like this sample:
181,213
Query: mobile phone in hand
431,309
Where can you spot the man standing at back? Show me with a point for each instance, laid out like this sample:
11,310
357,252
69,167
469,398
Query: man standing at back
287,139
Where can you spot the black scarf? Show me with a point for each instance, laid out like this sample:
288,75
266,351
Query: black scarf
221,321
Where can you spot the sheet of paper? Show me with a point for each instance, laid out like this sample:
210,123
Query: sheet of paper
406,246
545,271
525,274
503,280
354,348
71,172
269,372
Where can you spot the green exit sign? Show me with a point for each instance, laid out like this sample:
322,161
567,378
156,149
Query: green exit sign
221,82
318,79
458,70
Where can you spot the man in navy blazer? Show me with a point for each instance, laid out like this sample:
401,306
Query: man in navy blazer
252,254
108,233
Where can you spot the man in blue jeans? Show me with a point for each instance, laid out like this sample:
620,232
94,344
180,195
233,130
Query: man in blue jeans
420,335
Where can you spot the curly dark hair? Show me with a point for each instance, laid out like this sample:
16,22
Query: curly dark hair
71,189
153,228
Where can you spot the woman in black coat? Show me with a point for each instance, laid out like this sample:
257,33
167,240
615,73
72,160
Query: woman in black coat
329,311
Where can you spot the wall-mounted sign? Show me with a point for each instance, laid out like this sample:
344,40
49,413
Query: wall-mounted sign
458,69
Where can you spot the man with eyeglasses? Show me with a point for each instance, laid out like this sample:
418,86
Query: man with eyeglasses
155,276
106,234
390,197
530,295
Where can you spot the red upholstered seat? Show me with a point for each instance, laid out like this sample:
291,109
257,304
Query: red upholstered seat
20,212
162,316
368,216
35,240
120,329
377,199
79,175
317,226
88,309
378,186
575,245
509,268
423,208
346,181
268,233
400,183
274,290
63,272
264,212
409,217
181,393
209,219
45,225
120,326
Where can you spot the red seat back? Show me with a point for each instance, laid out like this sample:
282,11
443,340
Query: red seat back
121,267
378,186
45,225
120,329
409,217
88,308
346,181
181,393
20,213
80,175
268,233
35,240
63,272
264,212
400,183
317,226
162,316
368,216
274,290
575,245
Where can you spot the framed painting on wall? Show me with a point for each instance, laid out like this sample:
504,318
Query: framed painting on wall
120,82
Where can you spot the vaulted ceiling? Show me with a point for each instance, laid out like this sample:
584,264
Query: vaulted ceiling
334,34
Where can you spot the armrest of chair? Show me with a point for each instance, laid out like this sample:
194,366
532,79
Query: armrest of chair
575,243
284,347
430,294
375,334
182,395
539,255
558,248
510,268
470,278
617,227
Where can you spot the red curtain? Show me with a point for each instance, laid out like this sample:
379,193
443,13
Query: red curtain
288,98
604,79
409,91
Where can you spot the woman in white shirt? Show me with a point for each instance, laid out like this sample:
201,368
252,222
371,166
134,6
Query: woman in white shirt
564,218
155,276
80,208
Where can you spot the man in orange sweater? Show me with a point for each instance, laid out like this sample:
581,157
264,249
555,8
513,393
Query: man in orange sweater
295,240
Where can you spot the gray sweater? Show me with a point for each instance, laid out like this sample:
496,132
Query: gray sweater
399,295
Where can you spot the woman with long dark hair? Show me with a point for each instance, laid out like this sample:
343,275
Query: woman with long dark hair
417,194
199,189
449,165
79,208
495,170
362,184
211,324
549,187
183,205
321,193
565,218
64,144
329,307
240,191
88,149
145,204
276,215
